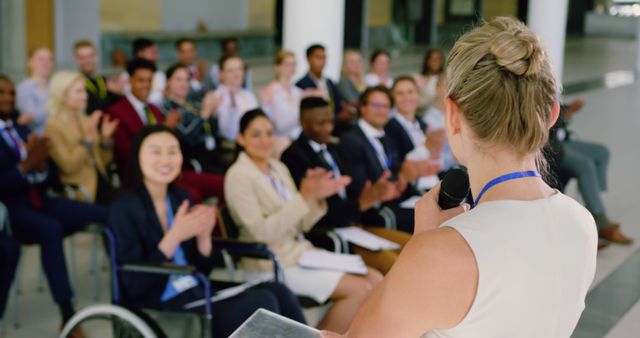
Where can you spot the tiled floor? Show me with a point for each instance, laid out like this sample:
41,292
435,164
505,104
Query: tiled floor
611,116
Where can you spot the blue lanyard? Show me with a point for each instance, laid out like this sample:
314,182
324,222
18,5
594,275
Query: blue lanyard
504,178
169,213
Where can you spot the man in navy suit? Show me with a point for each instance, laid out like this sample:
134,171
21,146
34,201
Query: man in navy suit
34,217
369,154
317,59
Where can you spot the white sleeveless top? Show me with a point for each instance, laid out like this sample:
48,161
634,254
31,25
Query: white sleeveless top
536,261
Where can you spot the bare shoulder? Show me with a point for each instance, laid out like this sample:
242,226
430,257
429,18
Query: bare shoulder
440,269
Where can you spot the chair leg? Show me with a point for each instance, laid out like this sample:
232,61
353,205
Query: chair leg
16,292
94,267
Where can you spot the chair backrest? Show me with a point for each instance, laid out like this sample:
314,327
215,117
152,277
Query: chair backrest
228,227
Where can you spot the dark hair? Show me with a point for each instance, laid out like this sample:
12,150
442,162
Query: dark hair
312,102
83,43
139,63
249,116
133,176
364,98
427,56
403,78
226,58
377,53
141,44
224,42
182,41
173,68
313,48
4,77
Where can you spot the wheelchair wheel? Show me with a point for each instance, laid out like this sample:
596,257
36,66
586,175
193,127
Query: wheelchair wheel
108,320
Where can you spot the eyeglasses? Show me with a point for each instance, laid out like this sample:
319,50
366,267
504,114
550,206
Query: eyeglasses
379,105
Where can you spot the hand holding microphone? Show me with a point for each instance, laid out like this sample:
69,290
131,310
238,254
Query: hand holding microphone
443,202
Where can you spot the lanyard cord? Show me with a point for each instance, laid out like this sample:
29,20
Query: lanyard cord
504,178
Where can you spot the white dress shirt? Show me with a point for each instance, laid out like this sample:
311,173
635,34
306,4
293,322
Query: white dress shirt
324,152
284,110
374,135
228,114
139,106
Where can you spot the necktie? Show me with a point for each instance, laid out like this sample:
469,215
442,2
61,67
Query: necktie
323,159
385,155
151,119
15,146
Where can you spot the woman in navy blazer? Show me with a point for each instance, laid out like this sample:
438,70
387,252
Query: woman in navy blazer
148,231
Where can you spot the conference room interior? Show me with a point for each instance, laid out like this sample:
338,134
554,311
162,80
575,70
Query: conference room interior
593,45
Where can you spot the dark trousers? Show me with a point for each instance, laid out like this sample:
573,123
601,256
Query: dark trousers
404,218
9,255
47,227
201,186
230,313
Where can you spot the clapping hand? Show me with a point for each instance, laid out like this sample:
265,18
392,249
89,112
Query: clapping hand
37,154
210,104
173,118
319,184
108,127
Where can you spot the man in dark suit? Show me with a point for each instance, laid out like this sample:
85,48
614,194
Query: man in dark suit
34,217
102,93
314,148
134,113
317,59
369,154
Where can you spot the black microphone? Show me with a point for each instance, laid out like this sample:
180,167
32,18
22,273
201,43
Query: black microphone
453,189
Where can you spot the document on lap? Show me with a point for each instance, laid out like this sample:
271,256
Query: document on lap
366,239
229,292
325,260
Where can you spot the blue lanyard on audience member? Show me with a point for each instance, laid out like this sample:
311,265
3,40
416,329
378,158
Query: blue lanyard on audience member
179,258
504,178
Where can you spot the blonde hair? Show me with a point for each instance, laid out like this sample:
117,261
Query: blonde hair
59,87
500,76
283,54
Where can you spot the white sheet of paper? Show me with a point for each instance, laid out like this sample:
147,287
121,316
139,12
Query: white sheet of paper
366,239
318,259
229,292
427,182
263,323
410,203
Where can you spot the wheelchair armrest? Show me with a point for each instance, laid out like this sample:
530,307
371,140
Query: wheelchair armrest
159,269
243,249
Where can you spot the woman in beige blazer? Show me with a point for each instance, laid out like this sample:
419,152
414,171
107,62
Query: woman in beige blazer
263,201
80,149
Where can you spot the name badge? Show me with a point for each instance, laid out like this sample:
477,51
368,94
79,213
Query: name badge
183,283
209,142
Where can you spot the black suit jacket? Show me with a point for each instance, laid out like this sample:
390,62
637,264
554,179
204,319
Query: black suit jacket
361,161
14,187
307,82
401,138
137,229
298,158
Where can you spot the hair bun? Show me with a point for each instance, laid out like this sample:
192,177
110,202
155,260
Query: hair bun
517,50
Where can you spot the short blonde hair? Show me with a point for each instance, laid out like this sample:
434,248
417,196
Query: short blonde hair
283,54
500,76
59,87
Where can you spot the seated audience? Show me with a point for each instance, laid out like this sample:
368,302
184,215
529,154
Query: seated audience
588,163
369,154
134,112
409,132
198,124
314,149
102,91
281,101
317,59
32,92
265,204
155,222
429,78
35,217
228,46
187,52
146,49
233,102
80,146
351,83
380,64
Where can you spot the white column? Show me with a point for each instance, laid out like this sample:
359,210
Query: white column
13,39
548,19
75,20
307,22
637,45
